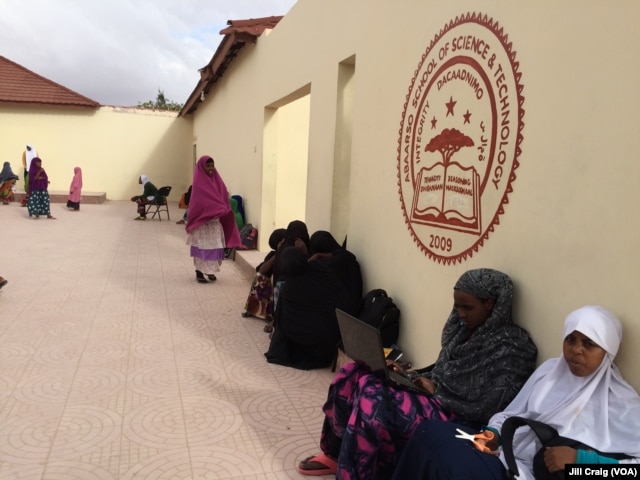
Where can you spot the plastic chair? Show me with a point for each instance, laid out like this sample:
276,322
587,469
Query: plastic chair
159,204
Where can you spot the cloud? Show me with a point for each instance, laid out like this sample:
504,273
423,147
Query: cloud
121,52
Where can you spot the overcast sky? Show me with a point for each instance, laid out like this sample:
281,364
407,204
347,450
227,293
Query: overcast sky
121,52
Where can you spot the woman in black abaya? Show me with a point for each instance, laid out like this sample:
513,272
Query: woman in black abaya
306,332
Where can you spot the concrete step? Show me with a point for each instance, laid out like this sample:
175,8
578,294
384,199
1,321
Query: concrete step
249,260
56,196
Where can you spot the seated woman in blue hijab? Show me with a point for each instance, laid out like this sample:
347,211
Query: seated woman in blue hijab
306,332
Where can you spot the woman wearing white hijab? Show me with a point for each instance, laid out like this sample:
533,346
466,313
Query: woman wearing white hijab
149,192
582,394
28,155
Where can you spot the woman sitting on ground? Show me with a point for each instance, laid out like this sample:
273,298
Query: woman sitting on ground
306,332
582,394
484,361
325,249
259,303
7,181
297,235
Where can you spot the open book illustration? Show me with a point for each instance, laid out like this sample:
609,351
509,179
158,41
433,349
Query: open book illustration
448,196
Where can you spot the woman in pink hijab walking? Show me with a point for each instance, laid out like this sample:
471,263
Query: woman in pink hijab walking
211,226
75,190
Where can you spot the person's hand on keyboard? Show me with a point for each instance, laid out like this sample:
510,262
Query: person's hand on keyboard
402,370
396,367
426,384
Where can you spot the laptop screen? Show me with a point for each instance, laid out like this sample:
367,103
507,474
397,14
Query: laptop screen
361,341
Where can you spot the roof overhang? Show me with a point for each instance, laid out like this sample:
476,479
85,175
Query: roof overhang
236,36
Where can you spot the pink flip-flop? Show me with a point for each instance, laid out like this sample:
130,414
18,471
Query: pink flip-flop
330,466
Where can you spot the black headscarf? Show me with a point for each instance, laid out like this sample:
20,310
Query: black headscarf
276,236
478,373
323,242
274,239
296,229
343,263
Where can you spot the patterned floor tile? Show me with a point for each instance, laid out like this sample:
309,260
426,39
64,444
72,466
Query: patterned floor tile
83,430
13,354
76,471
104,350
116,364
21,472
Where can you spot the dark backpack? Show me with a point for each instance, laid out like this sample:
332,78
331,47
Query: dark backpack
249,237
379,310
549,437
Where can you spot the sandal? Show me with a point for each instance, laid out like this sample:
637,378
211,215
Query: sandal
3,282
51,217
200,277
211,277
328,466
140,218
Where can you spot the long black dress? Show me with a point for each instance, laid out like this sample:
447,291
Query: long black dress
306,332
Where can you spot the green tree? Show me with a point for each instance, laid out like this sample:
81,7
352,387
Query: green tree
161,103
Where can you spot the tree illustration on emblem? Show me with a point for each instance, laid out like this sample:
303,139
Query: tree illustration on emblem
448,142
458,183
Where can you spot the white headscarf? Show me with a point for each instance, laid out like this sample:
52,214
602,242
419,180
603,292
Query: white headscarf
144,179
601,410
30,154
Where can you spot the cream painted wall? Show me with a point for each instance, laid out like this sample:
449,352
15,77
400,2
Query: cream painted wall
340,203
292,152
113,146
226,127
570,231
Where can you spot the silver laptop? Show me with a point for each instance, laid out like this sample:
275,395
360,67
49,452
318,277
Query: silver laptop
363,342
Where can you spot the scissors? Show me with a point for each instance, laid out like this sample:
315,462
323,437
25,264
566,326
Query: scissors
486,435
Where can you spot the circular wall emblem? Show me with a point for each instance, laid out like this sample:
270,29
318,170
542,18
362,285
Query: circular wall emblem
459,138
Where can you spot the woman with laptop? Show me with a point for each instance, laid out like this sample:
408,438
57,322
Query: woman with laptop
581,393
484,361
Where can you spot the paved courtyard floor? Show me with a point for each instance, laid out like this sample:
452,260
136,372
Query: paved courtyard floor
116,364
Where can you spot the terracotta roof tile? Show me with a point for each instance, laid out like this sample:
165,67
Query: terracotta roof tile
22,86
236,35
253,26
